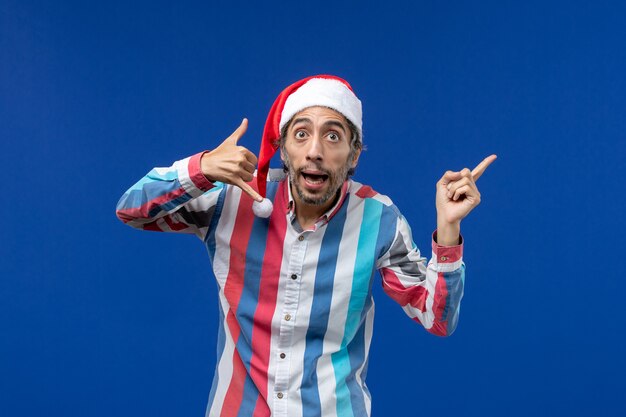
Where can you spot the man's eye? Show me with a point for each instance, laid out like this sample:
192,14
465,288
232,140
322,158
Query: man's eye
334,137
300,134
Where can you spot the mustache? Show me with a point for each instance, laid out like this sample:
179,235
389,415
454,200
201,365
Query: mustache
314,167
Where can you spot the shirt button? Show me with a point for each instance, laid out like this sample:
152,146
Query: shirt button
294,276
300,238
279,395
282,356
287,317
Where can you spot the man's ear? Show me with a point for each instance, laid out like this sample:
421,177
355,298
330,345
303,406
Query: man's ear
355,159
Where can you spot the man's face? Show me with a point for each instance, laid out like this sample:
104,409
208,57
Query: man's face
317,154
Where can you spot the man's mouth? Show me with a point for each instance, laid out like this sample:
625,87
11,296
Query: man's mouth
314,178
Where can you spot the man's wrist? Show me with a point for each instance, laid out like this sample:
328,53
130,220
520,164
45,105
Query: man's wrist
205,166
448,234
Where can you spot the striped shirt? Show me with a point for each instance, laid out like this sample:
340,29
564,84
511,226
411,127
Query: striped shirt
296,307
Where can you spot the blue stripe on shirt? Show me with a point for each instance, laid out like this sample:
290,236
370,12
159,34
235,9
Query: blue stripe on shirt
363,271
221,342
210,237
320,311
454,283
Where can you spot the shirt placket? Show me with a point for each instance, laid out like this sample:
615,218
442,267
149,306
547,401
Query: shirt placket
287,324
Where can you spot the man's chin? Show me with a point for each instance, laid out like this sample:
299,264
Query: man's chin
315,197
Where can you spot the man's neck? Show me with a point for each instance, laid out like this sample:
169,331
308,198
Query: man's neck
308,214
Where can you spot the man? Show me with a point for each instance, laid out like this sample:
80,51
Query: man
295,255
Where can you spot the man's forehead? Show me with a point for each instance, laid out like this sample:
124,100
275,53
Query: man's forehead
307,115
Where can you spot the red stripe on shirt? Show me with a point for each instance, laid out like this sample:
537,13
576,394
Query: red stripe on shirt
366,192
260,408
152,226
268,290
415,296
142,212
232,291
440,328
234,395
175,226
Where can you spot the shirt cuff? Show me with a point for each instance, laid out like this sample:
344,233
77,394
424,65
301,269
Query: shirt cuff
191,177
447,258
196,175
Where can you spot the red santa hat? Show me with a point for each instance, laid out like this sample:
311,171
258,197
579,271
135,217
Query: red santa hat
318,90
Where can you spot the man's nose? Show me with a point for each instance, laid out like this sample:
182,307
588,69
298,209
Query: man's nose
315,150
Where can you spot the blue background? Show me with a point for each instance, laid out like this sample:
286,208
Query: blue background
97,319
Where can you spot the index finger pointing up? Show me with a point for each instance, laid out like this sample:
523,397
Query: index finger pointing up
480,168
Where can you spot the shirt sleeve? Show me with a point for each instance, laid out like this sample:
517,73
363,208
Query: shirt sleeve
429,293
176,199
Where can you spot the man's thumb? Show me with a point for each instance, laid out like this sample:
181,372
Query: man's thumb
239,132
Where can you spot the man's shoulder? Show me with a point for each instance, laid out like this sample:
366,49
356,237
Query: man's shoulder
365,192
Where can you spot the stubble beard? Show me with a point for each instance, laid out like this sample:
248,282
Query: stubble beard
335,181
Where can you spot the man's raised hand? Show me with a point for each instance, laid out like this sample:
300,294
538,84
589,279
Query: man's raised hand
231,164
457,193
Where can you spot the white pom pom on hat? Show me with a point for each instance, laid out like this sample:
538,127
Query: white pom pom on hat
262,208
319,90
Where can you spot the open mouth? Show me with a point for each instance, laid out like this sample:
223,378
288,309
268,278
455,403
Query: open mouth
314,179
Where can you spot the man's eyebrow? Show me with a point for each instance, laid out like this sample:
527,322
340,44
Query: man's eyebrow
302,120
336,124
307,121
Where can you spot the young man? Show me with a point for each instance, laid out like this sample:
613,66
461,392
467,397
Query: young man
295,255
